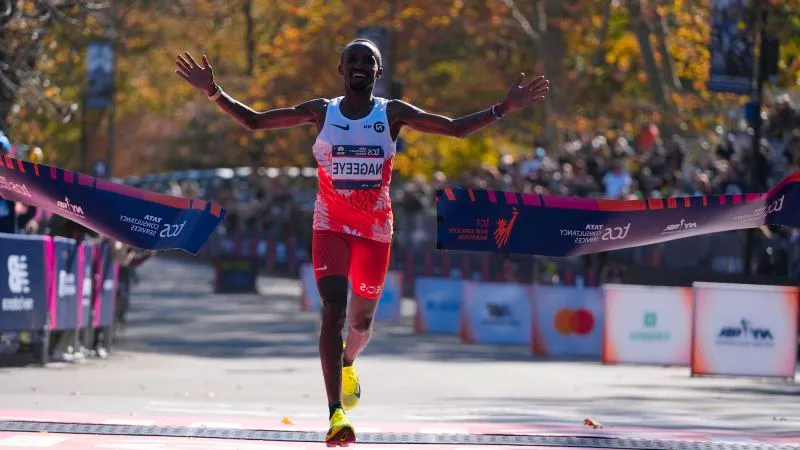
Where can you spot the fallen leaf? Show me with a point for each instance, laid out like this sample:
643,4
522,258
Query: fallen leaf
287,421
589,422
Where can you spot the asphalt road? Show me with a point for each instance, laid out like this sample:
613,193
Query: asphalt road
189,352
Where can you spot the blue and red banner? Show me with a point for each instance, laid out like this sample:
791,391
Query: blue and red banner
137,217
551,225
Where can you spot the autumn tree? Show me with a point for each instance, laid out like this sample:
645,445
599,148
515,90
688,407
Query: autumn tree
625,61
28,41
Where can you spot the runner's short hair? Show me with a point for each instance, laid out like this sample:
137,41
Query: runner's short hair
368,43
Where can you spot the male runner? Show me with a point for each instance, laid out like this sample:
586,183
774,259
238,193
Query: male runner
353,221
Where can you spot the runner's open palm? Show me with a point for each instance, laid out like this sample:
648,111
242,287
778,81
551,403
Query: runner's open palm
201,77
522,94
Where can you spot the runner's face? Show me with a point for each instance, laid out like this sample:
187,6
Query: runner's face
360,67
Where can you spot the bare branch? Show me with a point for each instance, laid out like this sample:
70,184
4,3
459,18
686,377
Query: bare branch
522,20
22,46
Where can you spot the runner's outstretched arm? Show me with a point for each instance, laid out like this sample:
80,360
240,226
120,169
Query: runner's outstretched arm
519,95
202,78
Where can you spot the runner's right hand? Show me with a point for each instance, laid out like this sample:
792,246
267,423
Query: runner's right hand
201,77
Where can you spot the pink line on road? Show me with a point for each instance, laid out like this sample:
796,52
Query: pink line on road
89,442
75,441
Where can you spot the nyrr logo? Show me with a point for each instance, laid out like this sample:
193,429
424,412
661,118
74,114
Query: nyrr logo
504,227
498,310
678,227
745,335
70,207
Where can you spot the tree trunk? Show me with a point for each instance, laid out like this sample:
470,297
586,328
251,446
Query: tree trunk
250,41
8,77
550,48
598,60
662,37
643,30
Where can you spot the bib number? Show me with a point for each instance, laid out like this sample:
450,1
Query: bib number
357,167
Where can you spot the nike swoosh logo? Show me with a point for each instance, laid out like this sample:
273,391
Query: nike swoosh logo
345,127
325,267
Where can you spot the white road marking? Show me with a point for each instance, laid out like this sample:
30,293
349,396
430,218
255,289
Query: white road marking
143,423
444,430
190,404
180,444
29,440
735,439
216,425
25,419
223,412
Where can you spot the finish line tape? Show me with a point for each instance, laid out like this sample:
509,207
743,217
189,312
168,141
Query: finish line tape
558,226
137,217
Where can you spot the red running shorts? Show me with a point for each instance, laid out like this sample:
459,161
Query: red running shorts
364,261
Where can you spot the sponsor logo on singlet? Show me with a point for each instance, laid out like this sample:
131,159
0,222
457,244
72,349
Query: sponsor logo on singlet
357,167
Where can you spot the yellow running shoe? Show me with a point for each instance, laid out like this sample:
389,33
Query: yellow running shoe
341,433
351,388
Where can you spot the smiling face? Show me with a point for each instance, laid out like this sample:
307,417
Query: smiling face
360,66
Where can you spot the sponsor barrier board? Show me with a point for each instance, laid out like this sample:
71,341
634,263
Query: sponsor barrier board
438,305
744,330
568,321
496,313
647,324
24,281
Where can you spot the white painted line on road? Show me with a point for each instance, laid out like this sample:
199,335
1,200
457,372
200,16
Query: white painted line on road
444,430
413,417
23,419
229,412
215,425
27,440
180,444
735,439
190,404
144,423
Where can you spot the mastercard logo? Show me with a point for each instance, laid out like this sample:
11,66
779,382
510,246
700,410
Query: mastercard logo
574,321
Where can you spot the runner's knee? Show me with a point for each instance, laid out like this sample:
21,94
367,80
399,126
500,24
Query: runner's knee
361,324
333,292
362,313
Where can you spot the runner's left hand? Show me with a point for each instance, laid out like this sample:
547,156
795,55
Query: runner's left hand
525,93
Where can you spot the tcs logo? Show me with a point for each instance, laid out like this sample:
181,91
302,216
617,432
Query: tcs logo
574,321
172,230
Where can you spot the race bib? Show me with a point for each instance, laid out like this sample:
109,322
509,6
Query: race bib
357,167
